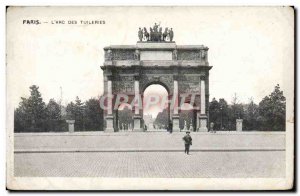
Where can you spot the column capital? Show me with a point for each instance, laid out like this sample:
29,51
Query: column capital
175,77
109,77
202,77
136,77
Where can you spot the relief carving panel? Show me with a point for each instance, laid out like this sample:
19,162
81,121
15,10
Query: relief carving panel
188,55
189,84
123,84
124,55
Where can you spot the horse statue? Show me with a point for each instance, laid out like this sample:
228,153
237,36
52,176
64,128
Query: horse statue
165,34
155,34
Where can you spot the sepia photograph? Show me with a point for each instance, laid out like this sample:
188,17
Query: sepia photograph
150,98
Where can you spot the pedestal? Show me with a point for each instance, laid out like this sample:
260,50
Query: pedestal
203,123
239,124
137,123
175,121
71,125
109,124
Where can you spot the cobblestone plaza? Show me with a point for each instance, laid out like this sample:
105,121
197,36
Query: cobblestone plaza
110,155
236,164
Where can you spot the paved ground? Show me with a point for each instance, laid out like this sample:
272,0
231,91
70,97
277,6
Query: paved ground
148,141
152,164
157,154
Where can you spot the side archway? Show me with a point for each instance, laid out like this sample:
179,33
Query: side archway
187,117
124,118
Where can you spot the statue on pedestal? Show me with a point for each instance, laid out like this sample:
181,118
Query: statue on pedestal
203,54
160,34
155,27
140,34
155,34
174,54
137,55
108,55
185,126
171,34
146,34
151,35
191,128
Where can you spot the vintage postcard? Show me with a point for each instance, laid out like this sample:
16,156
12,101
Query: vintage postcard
150,98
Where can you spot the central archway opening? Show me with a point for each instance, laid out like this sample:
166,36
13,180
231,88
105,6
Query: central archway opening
156,112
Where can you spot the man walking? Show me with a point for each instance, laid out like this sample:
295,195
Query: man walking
187,142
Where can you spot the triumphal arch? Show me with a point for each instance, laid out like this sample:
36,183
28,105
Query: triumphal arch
156,59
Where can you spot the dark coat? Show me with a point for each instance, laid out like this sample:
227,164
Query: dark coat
187,139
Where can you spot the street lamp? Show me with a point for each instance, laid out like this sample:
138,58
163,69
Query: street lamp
221,108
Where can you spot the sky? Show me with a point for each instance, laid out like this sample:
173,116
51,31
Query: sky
151,92
250,48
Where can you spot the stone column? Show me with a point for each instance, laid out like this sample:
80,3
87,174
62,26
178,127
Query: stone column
71,125
203,116
239,124
137,117
175,118
109,117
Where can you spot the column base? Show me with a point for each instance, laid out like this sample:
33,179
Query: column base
109,124
137,123
203,129
203,123
239,124
175,122
109,130
138,130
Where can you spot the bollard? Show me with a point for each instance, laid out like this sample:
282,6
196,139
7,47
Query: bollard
71,125
239,124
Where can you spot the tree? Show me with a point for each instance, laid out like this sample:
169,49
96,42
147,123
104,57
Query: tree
37,107
236,111
251,115
214,114
70,111
161,119
218,114
54,121
75,111
93,115
31,112
79,113
53,110
22,121
224,114
272,111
